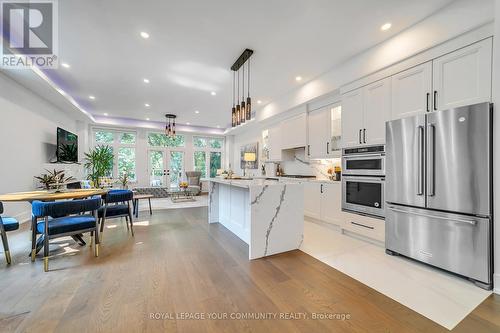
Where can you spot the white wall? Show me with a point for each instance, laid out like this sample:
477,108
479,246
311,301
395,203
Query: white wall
28,126
496,144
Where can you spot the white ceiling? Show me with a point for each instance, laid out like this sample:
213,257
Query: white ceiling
192,44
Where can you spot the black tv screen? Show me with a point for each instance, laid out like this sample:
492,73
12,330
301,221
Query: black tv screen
67,146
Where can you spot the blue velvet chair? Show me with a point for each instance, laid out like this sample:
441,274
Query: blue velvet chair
65,223
117,204
7,224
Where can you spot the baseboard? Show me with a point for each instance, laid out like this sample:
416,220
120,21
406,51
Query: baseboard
496,283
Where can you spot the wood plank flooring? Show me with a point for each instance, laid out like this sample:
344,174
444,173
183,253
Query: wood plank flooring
177,265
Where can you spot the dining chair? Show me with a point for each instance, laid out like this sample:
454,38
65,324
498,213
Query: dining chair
117,204
7,224
68,224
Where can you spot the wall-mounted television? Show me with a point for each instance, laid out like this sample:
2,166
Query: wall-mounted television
67,146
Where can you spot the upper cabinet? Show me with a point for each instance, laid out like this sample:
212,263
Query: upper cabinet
463,77
411,91
364,113
272,143
324,130
294,132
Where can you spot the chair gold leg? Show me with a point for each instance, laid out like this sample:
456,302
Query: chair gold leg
97,250
7,257
33,255
46,264
91,240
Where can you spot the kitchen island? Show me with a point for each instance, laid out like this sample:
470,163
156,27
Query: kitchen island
266,214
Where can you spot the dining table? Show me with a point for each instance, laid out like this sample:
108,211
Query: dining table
52,195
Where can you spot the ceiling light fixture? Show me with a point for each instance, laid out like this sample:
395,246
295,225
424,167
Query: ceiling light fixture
242,111
144,35
259,102
147,105
298,78
105,114
65,65
386,26
188,123
146,80
213,93
170,125
91,97
147,119
196,111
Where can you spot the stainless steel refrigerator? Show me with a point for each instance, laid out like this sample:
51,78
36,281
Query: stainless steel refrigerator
439,190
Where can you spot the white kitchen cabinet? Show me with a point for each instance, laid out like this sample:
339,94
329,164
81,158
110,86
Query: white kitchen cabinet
331,198
352,118
312,206
364,225
274,143
463,77
411,91
318,133
294,132
376,111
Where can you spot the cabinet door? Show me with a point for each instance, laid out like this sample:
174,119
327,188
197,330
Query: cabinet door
331,200
377,110
312,199
294,132
352,118
411,91
463,77
274,142
318,124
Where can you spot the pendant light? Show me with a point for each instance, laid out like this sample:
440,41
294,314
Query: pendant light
170,125
238,116
243,109
233,110
249,100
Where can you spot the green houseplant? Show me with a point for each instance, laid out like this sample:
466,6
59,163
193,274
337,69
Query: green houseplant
98,162
51,177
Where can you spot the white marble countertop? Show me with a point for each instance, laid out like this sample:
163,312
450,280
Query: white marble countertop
309,180
247,183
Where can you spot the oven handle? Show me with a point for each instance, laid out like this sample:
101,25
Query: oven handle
471,222
371,179
364,156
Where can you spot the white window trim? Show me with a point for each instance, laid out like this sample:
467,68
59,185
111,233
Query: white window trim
209,150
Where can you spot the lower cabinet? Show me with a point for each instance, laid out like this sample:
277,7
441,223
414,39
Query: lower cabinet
323,201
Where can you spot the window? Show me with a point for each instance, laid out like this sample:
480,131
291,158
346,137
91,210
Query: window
207,155
200,162
122,145
161,140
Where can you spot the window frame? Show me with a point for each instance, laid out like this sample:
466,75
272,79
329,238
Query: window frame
208,150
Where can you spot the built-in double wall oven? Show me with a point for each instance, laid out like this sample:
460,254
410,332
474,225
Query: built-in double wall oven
363,180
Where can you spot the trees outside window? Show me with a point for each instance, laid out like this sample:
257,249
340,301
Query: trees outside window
208,155
122,145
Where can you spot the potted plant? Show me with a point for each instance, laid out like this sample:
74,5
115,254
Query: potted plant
98,162
52,177
124,179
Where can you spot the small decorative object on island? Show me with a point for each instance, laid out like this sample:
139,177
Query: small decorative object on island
51,178
99,163
330,172
249,156
338,172
183,185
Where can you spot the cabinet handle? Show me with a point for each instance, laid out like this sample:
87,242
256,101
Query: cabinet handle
328,148
360,130
321,188
364,135
427,102
308,150
435,100
362,225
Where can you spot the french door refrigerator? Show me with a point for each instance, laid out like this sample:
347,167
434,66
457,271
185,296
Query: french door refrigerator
439,190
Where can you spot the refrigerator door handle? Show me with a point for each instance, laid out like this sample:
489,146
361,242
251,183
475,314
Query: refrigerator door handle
431,159
471,222
420,167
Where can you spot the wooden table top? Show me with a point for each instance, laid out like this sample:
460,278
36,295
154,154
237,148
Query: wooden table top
50,196
143,196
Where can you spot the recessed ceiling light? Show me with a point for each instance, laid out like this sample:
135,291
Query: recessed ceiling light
146,80
147,119
188,123
144,35
105,114
298,78
213,93
65,65
218,126
196,111
386,26
147,105
91,97
259,102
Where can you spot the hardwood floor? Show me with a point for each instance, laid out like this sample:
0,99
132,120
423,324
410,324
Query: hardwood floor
178,265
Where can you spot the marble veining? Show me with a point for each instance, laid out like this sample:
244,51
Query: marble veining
257,198
270,228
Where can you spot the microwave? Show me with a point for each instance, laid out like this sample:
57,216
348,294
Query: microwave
364,161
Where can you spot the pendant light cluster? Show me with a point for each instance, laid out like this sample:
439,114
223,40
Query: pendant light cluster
170,125
241,111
